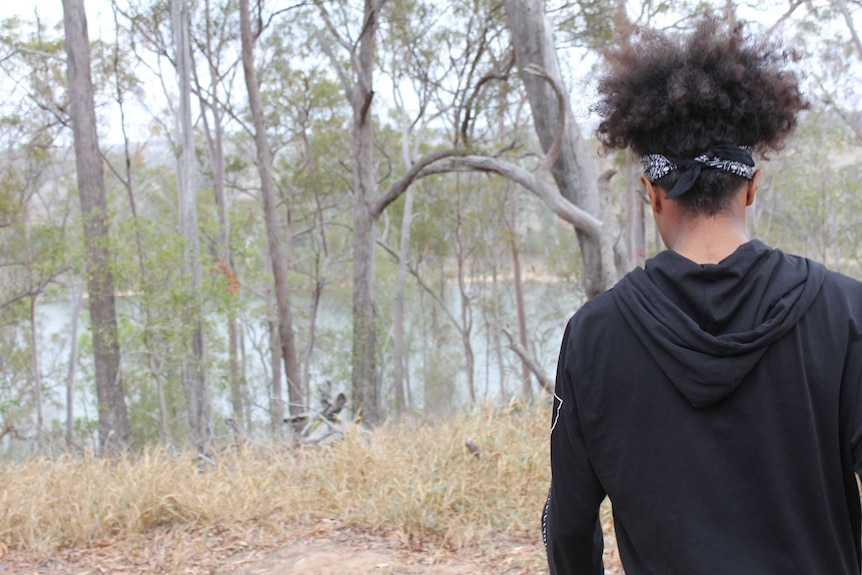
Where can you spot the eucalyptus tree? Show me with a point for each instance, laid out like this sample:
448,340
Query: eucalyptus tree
114,433
278,254
215,37
358,44
198,399
573,167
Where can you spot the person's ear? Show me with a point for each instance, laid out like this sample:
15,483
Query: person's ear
654,196
752,188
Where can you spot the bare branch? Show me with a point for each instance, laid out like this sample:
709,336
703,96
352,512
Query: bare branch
784,17
468,106
565,209
848,19
428,289
345,80
327,19
544,380
554,151
415,172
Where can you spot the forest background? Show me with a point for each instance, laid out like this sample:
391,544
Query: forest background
292,200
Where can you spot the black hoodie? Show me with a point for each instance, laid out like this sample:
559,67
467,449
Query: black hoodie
716,405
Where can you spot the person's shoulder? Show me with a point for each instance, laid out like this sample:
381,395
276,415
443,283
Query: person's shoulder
838,284
835,284
598,310
831,278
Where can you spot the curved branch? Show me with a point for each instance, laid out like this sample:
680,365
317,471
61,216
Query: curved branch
554,151
565,209
416,171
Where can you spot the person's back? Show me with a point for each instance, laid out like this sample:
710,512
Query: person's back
712,395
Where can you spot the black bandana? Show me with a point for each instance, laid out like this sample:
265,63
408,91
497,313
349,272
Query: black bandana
734,159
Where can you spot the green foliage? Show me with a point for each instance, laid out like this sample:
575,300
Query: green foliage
585,23
815,213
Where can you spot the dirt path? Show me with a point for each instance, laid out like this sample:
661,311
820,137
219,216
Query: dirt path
339,553
349,556
330,552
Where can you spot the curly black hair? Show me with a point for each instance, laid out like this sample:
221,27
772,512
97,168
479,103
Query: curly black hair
718,86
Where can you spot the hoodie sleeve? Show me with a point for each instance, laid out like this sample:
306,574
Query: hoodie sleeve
570,522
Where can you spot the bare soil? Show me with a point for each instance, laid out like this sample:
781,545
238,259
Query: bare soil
323,550
338,552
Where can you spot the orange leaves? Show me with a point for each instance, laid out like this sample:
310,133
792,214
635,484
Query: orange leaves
221,267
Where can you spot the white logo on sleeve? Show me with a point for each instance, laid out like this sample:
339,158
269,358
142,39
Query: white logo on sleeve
559,403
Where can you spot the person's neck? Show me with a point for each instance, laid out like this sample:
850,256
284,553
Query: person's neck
710,239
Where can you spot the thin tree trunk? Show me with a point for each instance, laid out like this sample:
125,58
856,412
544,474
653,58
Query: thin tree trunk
114,431
526,381
277,254
215,145
276,396
37,376
321,278
246,396
74,313
127,182
398,354
194,377
466,325
498,346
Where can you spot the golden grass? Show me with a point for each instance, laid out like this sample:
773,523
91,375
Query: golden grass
414,479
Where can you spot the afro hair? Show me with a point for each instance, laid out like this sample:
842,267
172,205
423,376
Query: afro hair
717,86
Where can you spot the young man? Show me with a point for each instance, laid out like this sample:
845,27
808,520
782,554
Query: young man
714,395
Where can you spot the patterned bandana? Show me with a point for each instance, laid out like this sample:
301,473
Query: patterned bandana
734,159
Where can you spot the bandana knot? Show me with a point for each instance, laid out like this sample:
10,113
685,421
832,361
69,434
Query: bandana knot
726,157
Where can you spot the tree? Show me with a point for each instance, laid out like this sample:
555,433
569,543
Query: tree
573,168
213,45
368,206
277,254
114,433
195,383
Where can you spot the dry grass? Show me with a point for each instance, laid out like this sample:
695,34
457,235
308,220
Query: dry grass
416,480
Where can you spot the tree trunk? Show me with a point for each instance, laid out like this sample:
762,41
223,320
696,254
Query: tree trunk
365,384
526,381
465,327
198,400
321,277
114,431
276,251
127,180
497,295
276,397
37,376
215,144
574,171
367,207
398,355
74,313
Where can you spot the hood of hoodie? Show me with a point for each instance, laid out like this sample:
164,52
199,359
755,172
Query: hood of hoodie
707,325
